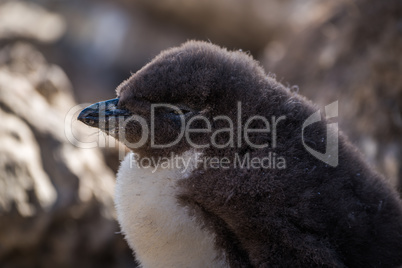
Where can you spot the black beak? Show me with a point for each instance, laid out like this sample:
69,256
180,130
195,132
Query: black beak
103,115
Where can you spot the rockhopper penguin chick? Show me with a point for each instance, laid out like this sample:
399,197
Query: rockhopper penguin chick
207,204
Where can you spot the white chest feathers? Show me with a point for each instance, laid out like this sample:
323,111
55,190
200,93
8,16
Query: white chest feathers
161,232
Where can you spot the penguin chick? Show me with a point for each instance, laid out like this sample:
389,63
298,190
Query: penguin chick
301,213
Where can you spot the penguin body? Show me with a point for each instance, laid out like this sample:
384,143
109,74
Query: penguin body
161,232
304,214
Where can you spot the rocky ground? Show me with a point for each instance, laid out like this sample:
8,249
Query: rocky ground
56,200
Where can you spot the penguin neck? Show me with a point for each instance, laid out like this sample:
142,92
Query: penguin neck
161,232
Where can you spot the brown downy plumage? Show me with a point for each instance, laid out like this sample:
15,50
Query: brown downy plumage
307,214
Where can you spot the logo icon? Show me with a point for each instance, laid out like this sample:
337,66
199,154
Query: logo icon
330,156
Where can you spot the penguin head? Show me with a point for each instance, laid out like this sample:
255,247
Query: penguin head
172,103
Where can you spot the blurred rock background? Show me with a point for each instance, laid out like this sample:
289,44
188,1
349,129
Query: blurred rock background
56,199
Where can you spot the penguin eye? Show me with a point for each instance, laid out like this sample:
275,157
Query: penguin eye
175,112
